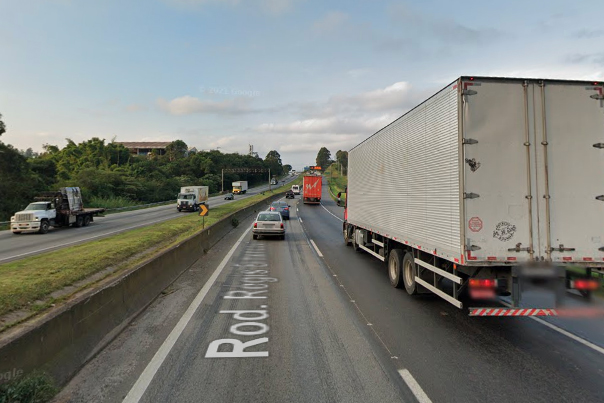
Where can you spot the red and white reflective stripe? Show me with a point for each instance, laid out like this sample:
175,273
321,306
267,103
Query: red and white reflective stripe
512,312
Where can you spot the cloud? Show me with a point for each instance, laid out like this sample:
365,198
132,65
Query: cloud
135,108
275,7
445,30
585,58
357,73
588,33
187,105
329,23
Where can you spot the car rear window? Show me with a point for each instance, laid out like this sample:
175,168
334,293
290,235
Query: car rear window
269,217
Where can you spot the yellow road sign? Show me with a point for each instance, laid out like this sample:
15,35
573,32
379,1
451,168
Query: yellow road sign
203,210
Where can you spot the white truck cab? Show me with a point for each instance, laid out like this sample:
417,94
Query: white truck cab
296,189
36,217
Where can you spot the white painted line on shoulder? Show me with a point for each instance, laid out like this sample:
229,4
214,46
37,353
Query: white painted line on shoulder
331,213
563,332
300,218
317,249
417,390
145,378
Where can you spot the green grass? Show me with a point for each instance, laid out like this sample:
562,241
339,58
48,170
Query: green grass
337,182
111,202
34,278
34,388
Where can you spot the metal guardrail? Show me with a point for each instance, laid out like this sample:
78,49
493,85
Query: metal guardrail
4,222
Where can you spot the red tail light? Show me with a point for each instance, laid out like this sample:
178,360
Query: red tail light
586,284
255,225
483,283
272,208
281,225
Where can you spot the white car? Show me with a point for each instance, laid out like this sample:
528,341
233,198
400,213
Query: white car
268,223
296,189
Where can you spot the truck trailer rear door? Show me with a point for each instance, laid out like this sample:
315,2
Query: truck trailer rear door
570,155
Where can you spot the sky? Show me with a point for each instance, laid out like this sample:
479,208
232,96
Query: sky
289,75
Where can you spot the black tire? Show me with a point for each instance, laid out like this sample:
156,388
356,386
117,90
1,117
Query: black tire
355,245
347,239
408,274
43,227
254,236
179,210
395,268
79,221
282,237
87,220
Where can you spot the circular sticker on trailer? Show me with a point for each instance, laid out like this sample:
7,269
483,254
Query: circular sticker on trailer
475,224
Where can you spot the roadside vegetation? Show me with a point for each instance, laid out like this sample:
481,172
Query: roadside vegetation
336,181
28,283
111,177
34,388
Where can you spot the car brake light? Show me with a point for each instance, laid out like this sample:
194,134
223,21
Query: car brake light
255,225
286,208
483,283
272,208
281,225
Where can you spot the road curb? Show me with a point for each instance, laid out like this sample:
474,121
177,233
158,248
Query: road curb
63,340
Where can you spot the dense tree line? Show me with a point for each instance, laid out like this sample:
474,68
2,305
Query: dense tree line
107,170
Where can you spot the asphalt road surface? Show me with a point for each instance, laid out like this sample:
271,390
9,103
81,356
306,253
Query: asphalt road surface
14,247
331,329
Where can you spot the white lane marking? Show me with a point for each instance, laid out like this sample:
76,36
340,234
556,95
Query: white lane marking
300,218
331,213
417,390
563,332
145,378
317,249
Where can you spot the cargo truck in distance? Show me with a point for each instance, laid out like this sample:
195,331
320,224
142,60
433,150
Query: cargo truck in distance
191,197
54,209
311,189
239,187
486,190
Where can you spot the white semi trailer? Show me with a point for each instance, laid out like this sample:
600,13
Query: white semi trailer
490,186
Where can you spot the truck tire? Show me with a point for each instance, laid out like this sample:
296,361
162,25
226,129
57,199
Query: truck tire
86,221
43,227
179,210
346,235
355,245
409,274
16,232
395,264
79,221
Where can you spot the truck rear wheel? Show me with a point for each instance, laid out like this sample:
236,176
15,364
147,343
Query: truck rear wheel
355,245
395,263
86,221
409,274
346,235
79,221
43,227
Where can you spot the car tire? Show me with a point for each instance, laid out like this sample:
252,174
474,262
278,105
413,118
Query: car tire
282,237
43,227
395,264
254,236
409,274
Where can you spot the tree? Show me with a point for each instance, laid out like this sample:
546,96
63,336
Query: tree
342,159
2,126
273,162
323,158
176,150
286,169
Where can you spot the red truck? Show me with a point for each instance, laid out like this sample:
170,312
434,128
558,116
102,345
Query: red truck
311,186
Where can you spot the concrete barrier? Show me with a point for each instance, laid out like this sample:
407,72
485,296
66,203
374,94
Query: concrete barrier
61,342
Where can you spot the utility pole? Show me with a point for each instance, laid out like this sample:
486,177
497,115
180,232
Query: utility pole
269,179
222,180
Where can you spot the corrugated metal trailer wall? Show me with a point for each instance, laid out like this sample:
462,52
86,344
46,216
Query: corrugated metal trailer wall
403,182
